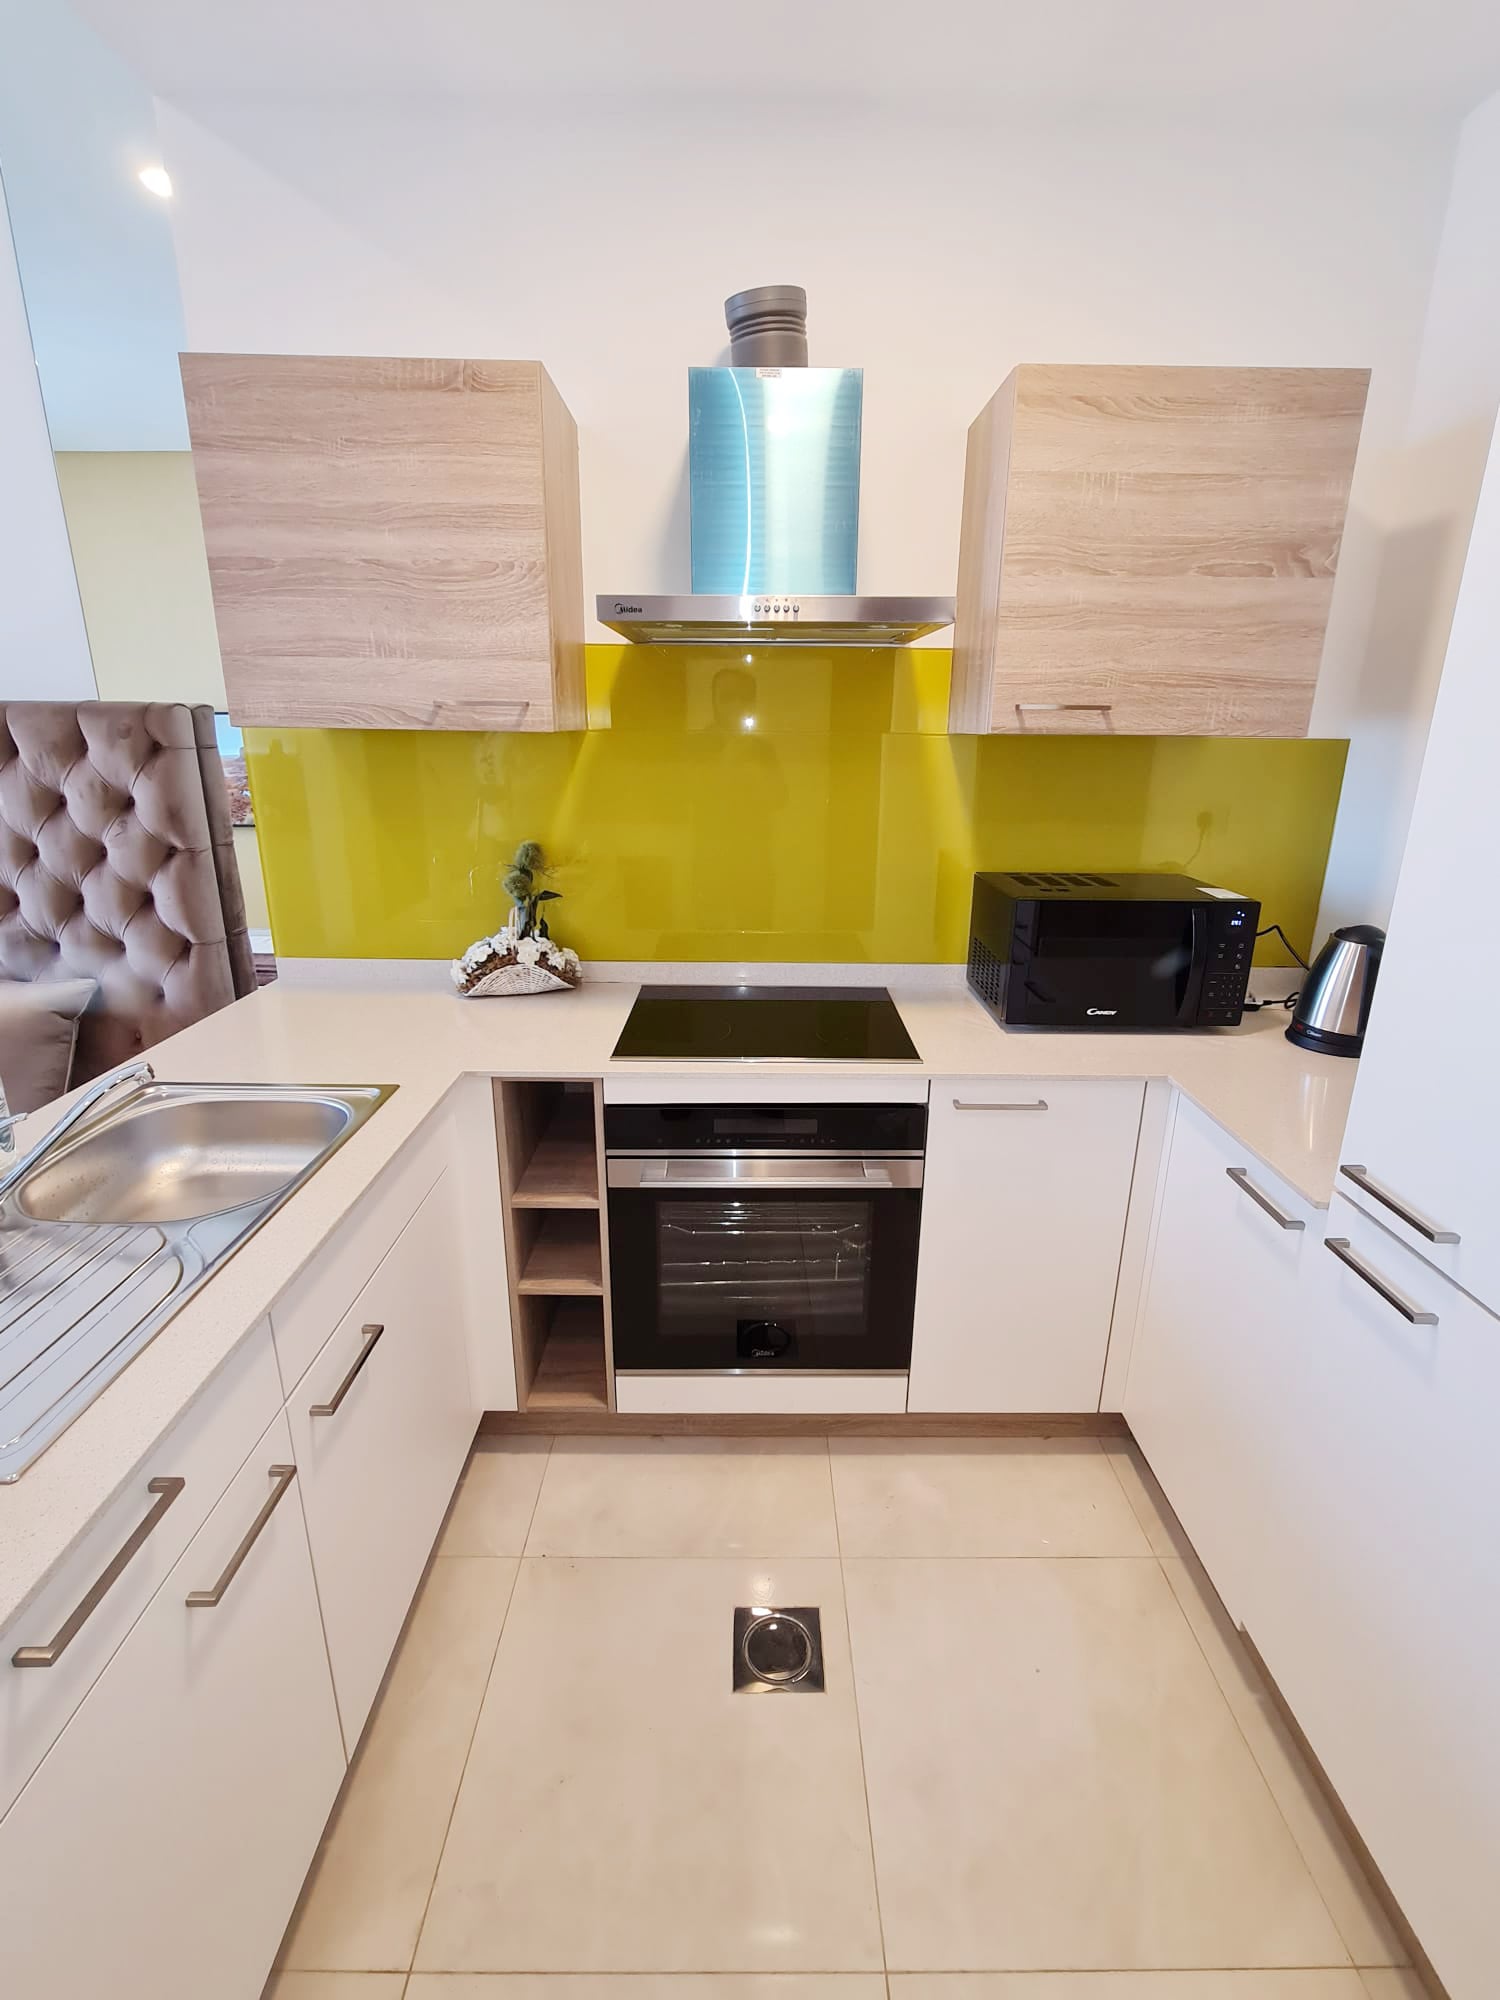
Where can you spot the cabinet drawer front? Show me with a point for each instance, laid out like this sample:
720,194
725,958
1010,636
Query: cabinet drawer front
1147,696
317,1299
160,1845
1023,1218
203,1449
383,1423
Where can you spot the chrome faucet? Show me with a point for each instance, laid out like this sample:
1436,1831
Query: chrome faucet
8,1122
135,1074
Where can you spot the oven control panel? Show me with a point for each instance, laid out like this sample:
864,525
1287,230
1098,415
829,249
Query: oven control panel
765,1128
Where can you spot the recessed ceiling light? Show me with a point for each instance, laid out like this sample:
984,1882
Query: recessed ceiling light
157,180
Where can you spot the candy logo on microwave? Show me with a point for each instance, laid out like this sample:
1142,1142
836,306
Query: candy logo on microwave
1102,1013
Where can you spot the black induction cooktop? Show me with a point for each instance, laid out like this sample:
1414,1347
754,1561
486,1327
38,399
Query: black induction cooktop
766,1024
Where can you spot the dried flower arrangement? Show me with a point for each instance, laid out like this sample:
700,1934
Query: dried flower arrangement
521,957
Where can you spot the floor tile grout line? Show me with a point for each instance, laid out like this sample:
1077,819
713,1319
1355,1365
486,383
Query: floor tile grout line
510,1598
859,1734
536,1500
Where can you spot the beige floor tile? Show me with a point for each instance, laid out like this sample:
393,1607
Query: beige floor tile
651,1986
363,1904
685,1497
980,1497
1393,1983
1055,1779
623,1810
1341,1881
1303,1985
335,1986
496,1497
1158,1523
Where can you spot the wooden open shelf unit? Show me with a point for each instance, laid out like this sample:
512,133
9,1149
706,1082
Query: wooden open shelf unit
556,1243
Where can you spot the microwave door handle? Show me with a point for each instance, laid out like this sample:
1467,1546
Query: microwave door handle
1187,1013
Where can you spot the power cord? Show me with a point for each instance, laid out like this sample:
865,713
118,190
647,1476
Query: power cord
1257,1006
1275,930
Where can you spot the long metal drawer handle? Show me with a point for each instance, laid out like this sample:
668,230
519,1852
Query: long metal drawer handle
371,1334
964,1104
1362,1179
1068,707
1340,1247
1247,1186
166,1491
283,1475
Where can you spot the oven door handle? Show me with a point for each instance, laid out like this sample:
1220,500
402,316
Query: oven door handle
751,1176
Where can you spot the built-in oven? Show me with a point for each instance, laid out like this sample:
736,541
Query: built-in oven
752,1238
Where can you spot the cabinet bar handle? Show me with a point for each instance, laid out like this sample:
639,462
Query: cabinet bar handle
166,1491
1068,707
1340,1247
1362,1179
371,1334
282,1475
1247,1186
963,1104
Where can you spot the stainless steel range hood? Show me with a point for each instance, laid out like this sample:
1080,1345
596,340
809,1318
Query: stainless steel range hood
698,618
773,451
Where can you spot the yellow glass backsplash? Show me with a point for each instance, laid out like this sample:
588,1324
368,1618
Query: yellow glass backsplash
795,803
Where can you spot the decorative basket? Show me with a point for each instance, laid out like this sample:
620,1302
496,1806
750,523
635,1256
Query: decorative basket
504,964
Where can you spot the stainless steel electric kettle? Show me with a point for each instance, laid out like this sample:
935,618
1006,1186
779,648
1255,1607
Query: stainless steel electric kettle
1334,1003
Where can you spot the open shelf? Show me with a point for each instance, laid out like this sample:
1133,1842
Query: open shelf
563,1170
556,1233
570,1374
563,1259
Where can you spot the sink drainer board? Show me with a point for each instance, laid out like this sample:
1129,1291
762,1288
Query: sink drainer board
778,1649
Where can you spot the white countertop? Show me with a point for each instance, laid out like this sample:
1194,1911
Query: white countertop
1286,1107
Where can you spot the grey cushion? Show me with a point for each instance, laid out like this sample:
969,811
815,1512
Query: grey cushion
38,1034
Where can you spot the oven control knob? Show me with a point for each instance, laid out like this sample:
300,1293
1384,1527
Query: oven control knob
762,1340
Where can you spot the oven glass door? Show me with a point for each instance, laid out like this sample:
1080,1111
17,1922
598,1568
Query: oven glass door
1131,965
774,1278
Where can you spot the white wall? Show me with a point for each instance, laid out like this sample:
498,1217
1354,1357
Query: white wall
1423,513
44,651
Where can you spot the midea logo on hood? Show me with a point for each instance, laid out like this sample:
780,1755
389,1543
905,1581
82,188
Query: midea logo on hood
628,607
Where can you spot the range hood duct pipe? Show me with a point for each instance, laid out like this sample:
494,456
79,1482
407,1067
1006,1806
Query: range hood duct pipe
767,327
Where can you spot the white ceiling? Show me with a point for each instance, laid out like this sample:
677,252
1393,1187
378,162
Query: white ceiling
1447,52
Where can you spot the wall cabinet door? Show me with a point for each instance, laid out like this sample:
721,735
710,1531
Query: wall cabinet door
383,1422
1023,1218
1207,1372
1425,1121
1151,551
159,1847
1383,1628
392,544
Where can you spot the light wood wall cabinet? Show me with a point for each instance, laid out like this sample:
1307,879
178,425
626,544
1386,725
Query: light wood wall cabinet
1151,551
393,544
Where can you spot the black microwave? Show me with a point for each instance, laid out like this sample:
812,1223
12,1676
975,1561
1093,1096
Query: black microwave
1101,950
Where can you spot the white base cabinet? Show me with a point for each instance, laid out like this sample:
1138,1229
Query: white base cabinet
1204,1396
1326,1436
158,1849
1383,1628
1023,1218
382,1423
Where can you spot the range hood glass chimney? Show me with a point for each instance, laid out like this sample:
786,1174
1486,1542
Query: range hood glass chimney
773,449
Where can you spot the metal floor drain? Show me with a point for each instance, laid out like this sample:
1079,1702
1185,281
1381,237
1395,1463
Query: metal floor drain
778,1649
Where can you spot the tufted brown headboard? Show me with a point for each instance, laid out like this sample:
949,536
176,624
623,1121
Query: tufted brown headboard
117,864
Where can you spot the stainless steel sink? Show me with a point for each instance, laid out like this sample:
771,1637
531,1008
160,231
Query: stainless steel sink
175,1160
115,1226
